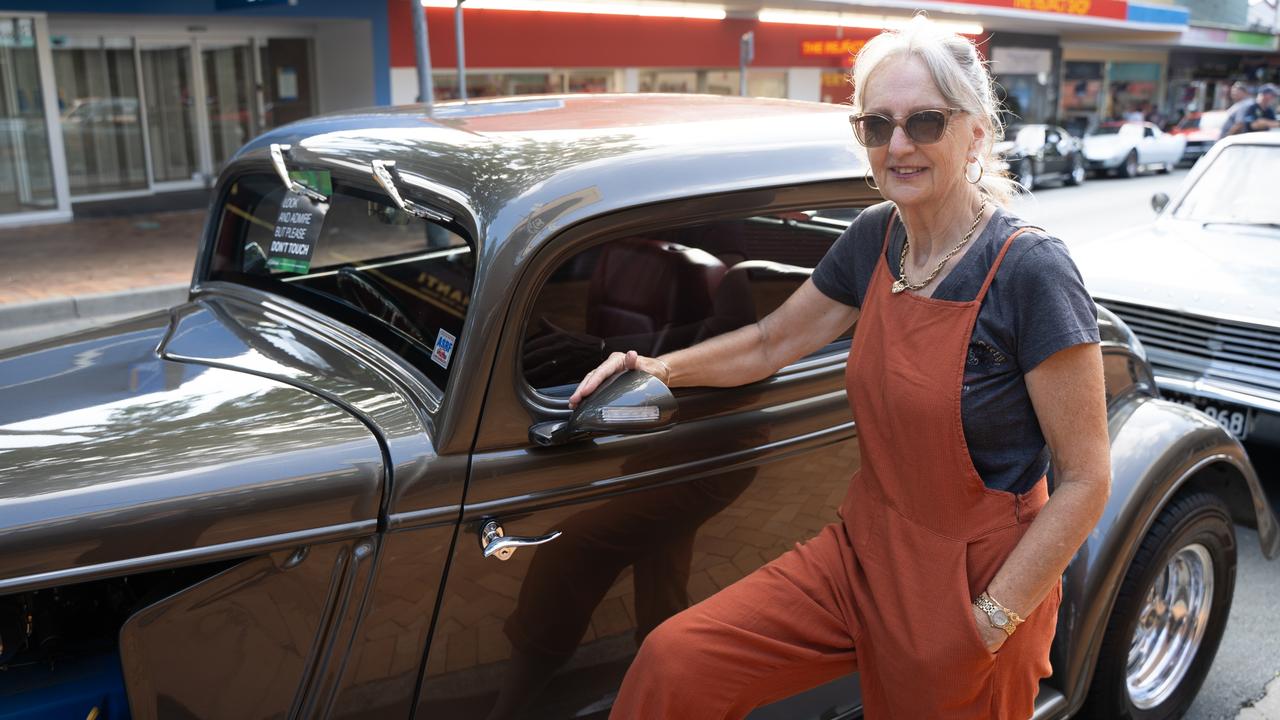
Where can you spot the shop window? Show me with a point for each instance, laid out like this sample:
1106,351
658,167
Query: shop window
482,85
101,114
661,291
26,173
583,81
836,87
1133,88
760,83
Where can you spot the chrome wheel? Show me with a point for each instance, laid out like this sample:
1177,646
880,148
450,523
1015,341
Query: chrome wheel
1131,165
1170,627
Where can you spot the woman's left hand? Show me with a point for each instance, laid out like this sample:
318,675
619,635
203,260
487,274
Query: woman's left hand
994,637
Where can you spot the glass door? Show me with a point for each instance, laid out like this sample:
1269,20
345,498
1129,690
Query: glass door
230,98
26,167
101,114
171,111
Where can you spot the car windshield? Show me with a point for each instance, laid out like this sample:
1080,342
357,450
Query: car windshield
1229,192
404,280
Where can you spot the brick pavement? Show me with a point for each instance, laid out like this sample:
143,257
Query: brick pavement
98,255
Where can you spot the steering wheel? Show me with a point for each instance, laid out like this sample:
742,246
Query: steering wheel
375,299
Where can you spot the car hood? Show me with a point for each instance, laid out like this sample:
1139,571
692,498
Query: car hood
1228,271
112,456
1106,146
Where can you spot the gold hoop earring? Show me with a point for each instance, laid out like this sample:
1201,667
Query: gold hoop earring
868,178
981,171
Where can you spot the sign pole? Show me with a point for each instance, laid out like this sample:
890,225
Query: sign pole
746,53
462,52
426,93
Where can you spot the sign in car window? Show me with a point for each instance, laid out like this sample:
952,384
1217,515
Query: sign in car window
297,228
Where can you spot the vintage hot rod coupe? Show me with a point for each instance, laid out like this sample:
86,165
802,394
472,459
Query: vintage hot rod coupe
343,480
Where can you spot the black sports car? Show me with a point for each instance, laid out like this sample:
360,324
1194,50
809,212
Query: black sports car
1038,152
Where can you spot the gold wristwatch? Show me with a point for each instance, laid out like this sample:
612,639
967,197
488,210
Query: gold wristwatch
998,615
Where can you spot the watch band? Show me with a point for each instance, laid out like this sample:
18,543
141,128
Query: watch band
998,615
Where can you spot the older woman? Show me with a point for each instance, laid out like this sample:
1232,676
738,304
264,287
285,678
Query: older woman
975,361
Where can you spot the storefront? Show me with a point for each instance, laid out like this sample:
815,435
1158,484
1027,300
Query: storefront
1200,78
1102,84
100,104
1026,70
571,52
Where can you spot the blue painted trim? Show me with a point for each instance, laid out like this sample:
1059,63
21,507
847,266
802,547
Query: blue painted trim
1159,14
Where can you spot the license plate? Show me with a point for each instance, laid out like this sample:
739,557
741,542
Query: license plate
1234,419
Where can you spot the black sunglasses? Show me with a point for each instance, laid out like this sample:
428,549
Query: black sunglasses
924,127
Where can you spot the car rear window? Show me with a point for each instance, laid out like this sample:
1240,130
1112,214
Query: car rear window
402,279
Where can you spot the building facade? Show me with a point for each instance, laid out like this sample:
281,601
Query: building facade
127,101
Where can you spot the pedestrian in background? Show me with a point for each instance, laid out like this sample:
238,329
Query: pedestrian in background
975,359
1256,114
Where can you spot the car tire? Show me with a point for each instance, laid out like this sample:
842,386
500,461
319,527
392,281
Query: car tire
1129,168
1152,663
1027,174
1077,174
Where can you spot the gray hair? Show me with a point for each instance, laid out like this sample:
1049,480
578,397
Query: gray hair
961,77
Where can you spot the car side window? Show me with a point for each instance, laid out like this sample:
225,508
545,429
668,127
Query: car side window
1148,132
404,280
655,292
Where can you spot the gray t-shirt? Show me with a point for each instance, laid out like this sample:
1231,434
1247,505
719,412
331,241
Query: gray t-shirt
1036,305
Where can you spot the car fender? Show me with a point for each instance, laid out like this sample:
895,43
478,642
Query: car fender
1158,448
117,460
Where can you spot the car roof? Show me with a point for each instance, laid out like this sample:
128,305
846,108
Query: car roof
509,156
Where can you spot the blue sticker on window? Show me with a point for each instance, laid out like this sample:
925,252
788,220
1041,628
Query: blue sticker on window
444,349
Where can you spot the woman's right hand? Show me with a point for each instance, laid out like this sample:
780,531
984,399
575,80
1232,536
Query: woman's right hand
614,364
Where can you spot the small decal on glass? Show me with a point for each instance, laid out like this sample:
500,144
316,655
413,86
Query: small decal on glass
444,349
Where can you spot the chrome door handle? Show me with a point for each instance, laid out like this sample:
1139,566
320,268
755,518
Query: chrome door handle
494,542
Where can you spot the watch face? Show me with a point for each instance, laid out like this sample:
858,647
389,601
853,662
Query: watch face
1000,618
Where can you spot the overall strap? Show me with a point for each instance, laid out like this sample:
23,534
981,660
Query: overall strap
888,230
991,274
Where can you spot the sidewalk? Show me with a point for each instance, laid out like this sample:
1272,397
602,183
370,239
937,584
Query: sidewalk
61,277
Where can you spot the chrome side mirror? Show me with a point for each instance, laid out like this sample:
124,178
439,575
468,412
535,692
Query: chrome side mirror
633,402
1159,201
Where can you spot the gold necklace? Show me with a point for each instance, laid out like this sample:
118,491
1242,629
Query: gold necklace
902,283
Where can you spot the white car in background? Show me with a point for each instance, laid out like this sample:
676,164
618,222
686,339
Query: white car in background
1128,147
1201,286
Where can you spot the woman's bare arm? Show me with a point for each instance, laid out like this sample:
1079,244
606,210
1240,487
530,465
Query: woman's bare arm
1067,392
805,322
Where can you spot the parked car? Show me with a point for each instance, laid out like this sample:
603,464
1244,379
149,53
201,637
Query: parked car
1202,130
343,479
1126,148
1207,304
1035,153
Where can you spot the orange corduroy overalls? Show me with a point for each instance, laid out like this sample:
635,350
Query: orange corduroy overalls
887,590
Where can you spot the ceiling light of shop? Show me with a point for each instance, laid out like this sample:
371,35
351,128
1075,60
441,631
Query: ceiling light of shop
871,22
642,9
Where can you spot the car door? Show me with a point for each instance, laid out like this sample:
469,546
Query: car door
1149,148
1055,162
647,524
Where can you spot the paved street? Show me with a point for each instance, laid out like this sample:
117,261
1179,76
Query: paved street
1249,657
